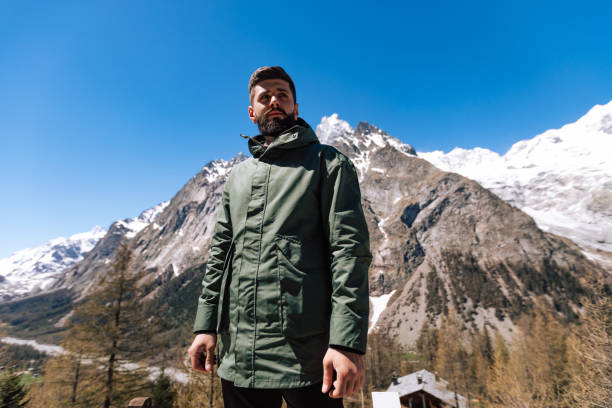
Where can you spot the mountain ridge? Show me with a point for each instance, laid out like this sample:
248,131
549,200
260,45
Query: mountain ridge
562,177
31,270
440,241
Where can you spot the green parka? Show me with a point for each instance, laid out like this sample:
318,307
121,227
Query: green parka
287,274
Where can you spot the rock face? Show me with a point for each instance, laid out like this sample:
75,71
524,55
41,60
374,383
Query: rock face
180,237
442,242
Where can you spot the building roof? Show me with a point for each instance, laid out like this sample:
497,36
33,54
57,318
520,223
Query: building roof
409,384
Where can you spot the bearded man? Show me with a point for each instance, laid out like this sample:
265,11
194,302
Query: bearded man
286,283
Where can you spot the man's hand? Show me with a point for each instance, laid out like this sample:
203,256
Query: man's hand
202,352
350,372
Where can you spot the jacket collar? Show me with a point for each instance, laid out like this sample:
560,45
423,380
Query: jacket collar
300,134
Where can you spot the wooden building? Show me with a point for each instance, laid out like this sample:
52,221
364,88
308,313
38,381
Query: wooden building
421,389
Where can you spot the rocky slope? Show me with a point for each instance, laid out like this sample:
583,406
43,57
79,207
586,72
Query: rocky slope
441,241
562,177
177,239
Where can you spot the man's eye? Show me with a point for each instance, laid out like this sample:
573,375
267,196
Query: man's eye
264,97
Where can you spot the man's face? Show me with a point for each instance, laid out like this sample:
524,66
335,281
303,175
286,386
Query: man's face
273,108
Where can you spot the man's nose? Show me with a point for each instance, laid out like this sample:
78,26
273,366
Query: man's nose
274,101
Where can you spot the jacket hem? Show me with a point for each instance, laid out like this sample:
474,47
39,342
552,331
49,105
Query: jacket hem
269,383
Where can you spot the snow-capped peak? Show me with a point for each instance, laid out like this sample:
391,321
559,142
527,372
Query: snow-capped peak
372,137
598,119
586,143
365,136
135,225
220,168
149,215
474,163
562,177
332,128
216,169
96,233
359,143
33,269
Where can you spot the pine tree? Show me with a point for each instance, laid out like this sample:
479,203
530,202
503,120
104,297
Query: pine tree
110,332
12,391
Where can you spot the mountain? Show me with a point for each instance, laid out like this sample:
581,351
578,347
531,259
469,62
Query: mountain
35,269
562,177
32,270
441,242
174,241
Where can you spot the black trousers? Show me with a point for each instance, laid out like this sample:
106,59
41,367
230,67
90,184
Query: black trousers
305,397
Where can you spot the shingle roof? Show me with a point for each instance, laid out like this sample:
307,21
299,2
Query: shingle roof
409,384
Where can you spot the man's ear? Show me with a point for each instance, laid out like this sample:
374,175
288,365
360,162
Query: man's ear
295,111
252,115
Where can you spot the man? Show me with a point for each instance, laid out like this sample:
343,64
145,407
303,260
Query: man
286,283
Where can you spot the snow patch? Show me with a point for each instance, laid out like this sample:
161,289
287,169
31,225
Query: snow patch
174,373
45,348
135,225
216,170
379,303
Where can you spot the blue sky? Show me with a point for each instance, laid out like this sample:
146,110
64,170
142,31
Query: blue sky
109,107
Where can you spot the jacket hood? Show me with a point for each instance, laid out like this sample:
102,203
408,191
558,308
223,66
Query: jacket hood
300,134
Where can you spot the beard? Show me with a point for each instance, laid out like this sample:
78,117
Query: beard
276,125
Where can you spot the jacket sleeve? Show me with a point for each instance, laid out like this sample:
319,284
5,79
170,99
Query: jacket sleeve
206,316
350,257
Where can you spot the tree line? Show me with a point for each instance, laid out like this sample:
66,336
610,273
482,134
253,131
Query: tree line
548,362
113,334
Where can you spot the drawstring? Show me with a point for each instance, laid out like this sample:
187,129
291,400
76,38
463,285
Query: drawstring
253,139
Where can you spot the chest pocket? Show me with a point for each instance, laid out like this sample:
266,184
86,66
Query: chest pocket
305,292
223,308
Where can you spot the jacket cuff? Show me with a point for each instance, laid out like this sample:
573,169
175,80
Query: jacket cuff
349,333
342,348
206,318
205,332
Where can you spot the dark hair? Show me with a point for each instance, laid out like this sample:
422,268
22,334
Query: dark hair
275,72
